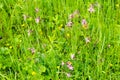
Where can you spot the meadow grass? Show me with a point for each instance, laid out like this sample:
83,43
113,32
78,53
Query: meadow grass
59,40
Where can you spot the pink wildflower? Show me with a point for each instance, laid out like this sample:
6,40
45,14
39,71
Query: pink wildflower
32,50
68,74
84,23
91,9
37,20
71,16
72,56
69,65
69,24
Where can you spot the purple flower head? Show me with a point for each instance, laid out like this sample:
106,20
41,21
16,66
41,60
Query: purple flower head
70,67
84,23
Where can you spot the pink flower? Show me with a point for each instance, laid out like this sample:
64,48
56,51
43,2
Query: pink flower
91,9
32,50
37,20
84,23
69,24
69,65
72,56
68,74
71,16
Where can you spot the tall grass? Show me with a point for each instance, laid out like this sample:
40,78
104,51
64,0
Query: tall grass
53,49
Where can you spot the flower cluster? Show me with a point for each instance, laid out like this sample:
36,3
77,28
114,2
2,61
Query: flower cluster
71,16
69,65
32,50
84,24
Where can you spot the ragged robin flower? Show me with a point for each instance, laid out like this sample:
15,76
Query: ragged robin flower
69,65
71,16
37,20
68,74
84,24
91,9
32,50
69,24
72,56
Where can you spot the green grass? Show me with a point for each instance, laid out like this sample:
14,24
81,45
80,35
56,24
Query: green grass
39,56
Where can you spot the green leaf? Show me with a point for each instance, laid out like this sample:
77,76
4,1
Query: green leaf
42,69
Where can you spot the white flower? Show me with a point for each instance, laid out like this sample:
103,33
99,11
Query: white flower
63,63
87,40
72,56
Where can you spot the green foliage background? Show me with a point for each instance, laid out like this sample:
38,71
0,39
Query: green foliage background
54,42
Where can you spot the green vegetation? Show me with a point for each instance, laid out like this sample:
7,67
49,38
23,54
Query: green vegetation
59,40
